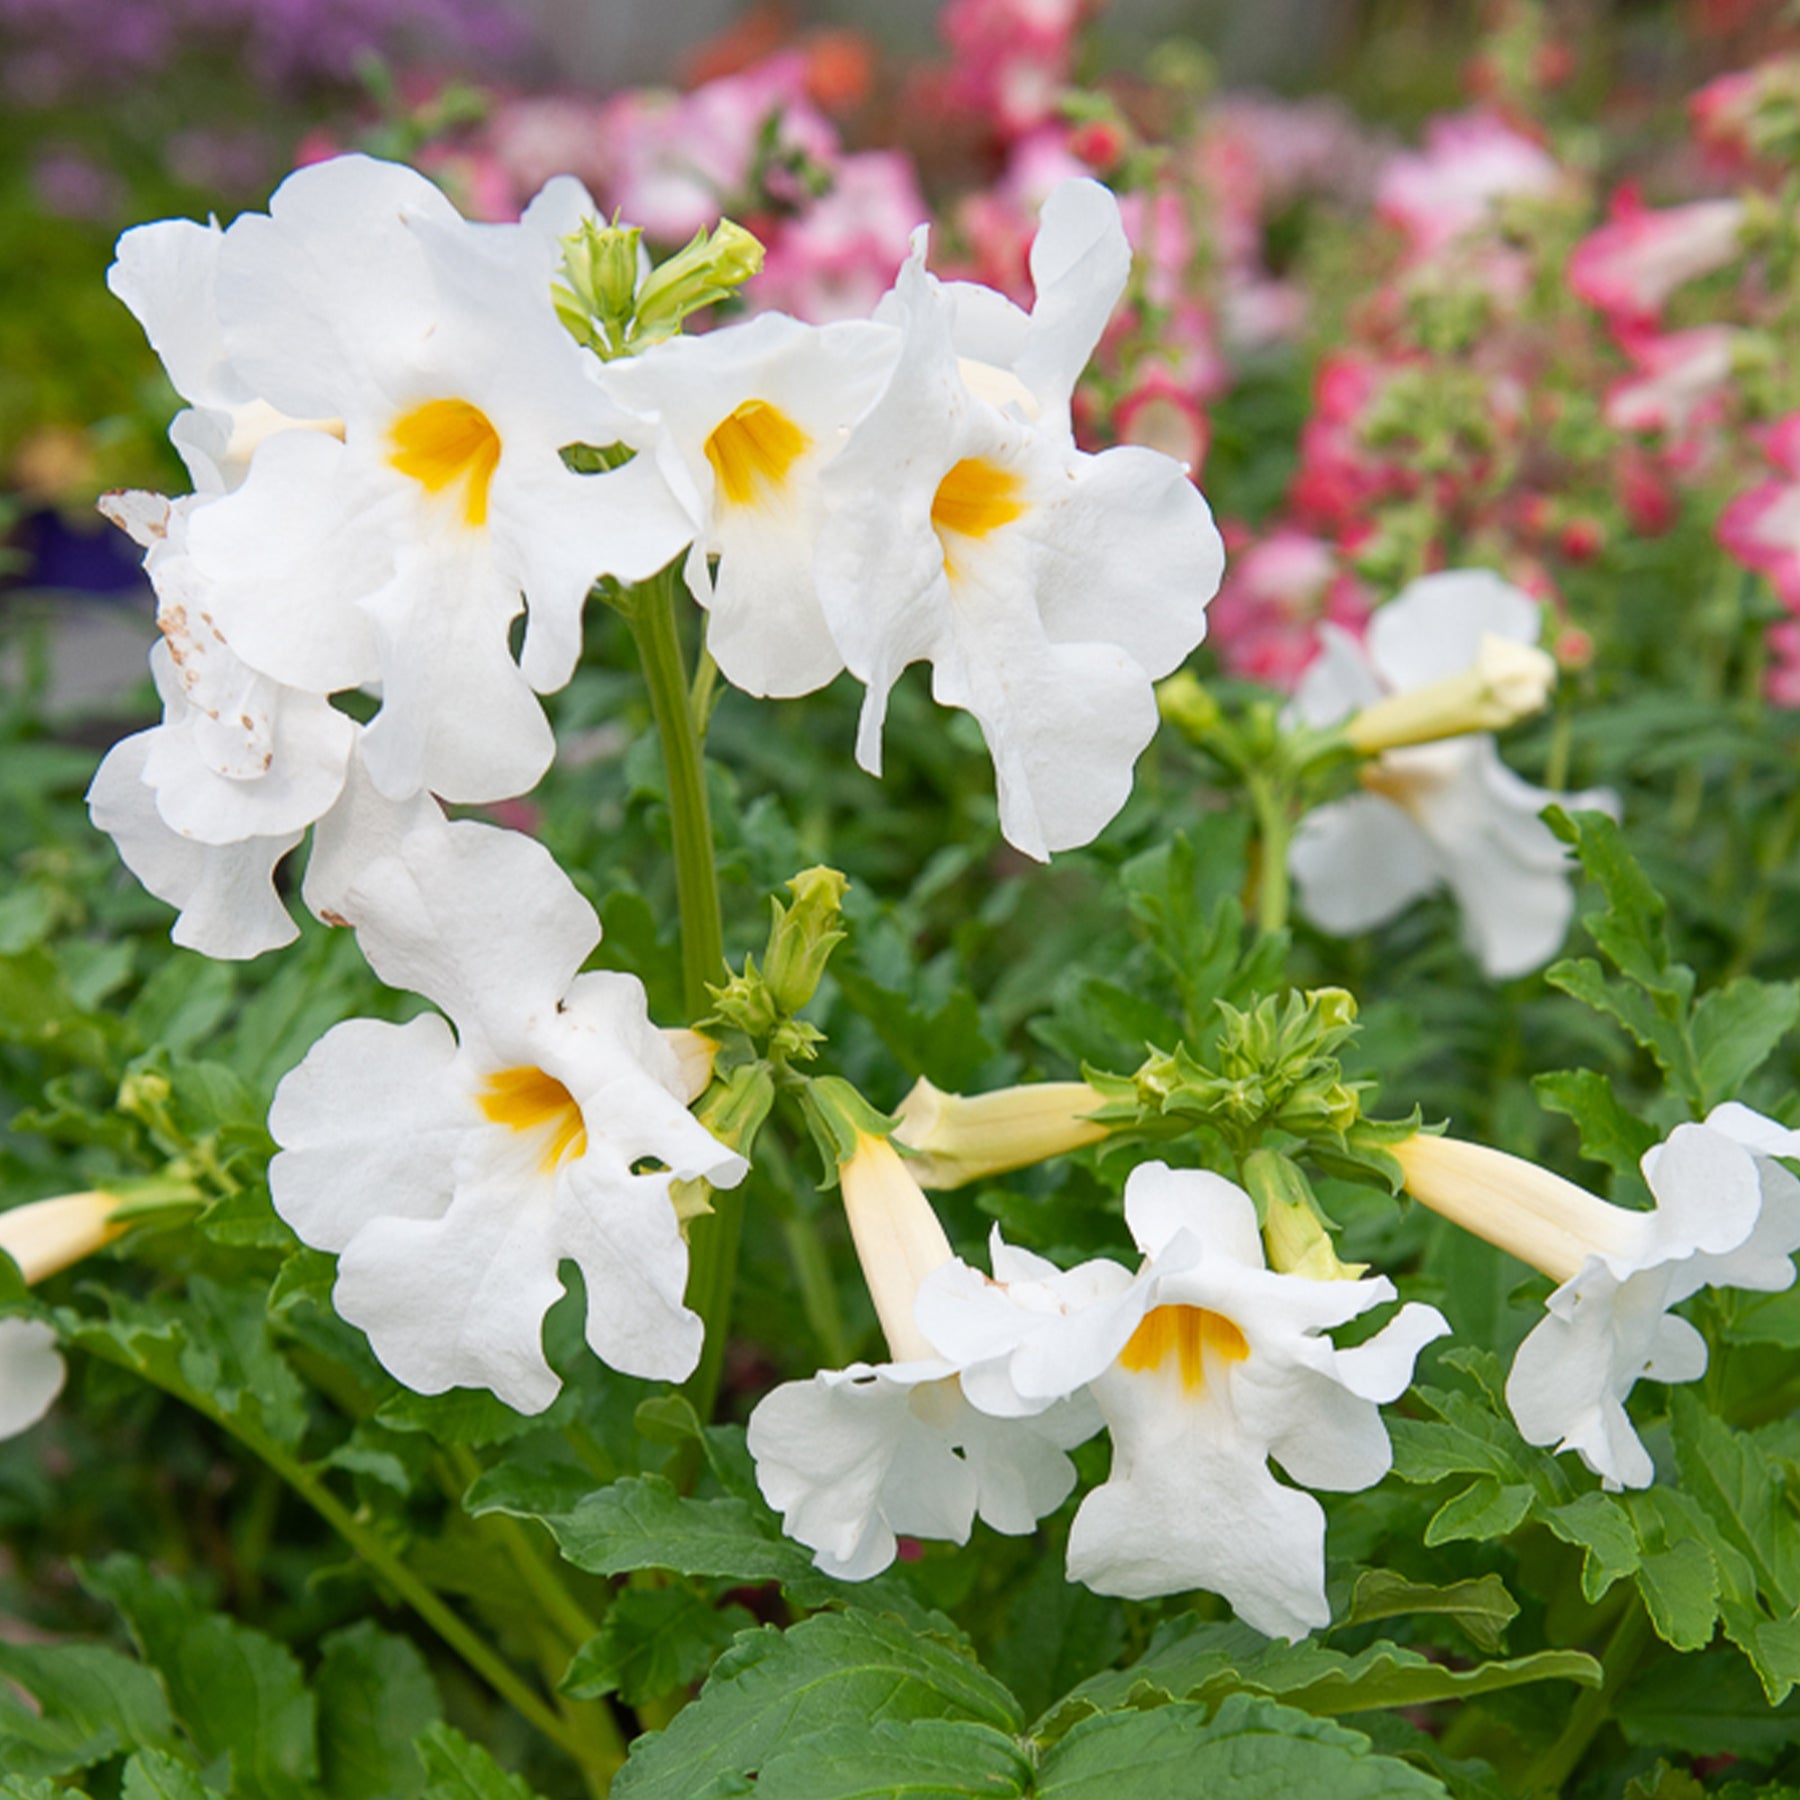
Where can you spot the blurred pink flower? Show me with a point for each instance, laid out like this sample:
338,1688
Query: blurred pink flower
1781,684
536,136
839,256
1264,621
1470,162
1630,266
677,159
1761,528
1011,58
1681,380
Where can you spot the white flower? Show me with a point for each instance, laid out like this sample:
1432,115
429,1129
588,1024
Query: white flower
1046,587
746,417
1205,1365
31,1374
1726,1215
204,805
398,544
1438,814
452,1172
857,1456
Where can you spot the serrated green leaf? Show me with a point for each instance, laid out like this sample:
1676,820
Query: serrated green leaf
237,1692
1250,1750
1599,1525
771,1689
641,1522
456,1769
922,1759
1484,1510
375,1695
1481,1607
151,1775
1609,1133
1735,1031
1742,1493
469,1416
1655,1020
92,1704
1631,931
1388,1675
653,1641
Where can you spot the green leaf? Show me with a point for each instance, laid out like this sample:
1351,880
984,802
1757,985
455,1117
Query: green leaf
1742,1493
1482,1607
92,1704
641,1522
1484,1510
1599,1525
1631,930
468,1416
375,1695
153,1776
238,1693
772,1689
1250,1750
1704,1706
1736,1029
922,1759
1655,1019
654,1641
1609,1133
455,1769
1388,1675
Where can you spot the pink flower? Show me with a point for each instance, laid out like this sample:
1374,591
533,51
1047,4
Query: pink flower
1265,618
1162,413
1640,256
1721,113
1470,162
1761,528
678,159
1781,685
540,135
839,256
1681,380
1012,58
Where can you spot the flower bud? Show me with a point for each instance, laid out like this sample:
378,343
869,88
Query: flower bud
45,1236
955,1138
803,937
1508,681
706,270
1187,705
1294,1232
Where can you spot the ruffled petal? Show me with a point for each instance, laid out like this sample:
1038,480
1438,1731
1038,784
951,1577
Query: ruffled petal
1434,627
1359,862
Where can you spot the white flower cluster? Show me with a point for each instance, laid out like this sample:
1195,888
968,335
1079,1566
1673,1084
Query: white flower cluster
380,398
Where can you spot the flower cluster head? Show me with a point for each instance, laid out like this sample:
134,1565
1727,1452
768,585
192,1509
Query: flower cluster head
1443,665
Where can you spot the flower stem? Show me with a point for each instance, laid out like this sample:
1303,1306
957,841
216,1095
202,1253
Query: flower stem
386,1562
653,628
1273,830
1588,1716
679,711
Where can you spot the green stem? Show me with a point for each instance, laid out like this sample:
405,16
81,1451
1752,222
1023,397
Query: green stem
677,709
558,1603
1273,830
381,1557
1589,1715
652,620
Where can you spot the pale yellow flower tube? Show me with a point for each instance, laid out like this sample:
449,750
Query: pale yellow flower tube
1508,681
45,1236
1514,1205
898,1239
957,1138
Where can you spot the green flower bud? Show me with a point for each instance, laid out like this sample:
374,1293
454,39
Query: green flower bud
803,937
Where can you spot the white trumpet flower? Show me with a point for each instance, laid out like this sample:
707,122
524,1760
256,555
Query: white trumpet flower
857,1457
1452,657
745,419
1046,587
453,1171
1205,1364
1726,1215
